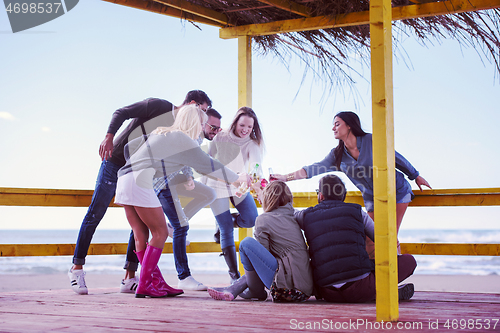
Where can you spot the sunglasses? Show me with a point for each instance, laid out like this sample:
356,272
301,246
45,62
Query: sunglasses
214,128
317,192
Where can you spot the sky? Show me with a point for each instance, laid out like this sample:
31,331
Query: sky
60,82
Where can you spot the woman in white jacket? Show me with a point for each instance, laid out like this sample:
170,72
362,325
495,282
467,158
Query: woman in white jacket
240,148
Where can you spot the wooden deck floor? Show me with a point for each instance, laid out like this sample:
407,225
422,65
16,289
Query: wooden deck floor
106,310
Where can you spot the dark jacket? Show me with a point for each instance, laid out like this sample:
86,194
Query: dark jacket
335,234
150,113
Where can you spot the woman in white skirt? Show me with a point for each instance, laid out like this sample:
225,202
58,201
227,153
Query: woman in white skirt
165,151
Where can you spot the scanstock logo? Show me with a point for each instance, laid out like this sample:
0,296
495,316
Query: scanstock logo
26,14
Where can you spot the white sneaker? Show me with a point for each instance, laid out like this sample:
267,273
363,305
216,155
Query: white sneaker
77,278
129,286
190,283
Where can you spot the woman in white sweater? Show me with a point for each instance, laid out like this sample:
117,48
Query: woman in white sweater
240,148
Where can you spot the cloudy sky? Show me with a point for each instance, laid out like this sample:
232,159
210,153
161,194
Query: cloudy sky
61,81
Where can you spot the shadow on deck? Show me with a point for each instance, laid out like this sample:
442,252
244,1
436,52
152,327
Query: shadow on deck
106,310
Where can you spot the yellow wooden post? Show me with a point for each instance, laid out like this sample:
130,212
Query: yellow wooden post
384,161
244,71
244,97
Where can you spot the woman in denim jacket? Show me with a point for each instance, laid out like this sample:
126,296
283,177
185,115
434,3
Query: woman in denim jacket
354,157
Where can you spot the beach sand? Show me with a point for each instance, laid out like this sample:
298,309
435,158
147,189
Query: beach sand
446,283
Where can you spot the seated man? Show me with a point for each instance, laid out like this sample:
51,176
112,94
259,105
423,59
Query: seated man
335,232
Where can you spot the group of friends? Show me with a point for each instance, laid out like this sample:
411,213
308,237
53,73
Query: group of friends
159,157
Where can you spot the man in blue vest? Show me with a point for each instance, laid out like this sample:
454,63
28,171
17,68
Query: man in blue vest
335,232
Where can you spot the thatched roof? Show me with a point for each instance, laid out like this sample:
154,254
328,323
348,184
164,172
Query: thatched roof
329,53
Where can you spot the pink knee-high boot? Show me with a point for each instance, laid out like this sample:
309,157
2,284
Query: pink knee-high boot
149,263
158,281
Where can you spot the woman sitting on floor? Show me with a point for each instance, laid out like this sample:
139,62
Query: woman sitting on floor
277,258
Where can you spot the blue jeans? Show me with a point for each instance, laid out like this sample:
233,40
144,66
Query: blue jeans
202,195
103,194
256,257
180,233
248,213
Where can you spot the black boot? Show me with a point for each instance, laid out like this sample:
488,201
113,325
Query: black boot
256,288
229,254
229,293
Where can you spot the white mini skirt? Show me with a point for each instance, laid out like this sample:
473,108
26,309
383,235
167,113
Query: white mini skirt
128,192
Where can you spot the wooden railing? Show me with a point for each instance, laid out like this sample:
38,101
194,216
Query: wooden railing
81,198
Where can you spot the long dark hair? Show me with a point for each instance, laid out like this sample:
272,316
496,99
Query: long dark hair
352,120
256,134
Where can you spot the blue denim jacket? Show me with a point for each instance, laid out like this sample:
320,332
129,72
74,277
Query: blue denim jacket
360,172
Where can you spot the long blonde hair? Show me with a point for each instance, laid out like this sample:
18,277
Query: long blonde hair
189,121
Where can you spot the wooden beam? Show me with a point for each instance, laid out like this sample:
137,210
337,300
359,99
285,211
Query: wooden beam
290,6
36,197
435,198
42,250
447,249
45,197
244,71
158,8
294,25
384,180
244,99
427,198
358,18
200,11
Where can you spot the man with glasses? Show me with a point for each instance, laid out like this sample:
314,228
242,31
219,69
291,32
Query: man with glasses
212,127
145,116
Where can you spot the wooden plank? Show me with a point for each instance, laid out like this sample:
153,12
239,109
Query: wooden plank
357,18
489,190
451,249
384,180
158,8
82,198
107,310
290,6
434,198
48,200
200,11
244,71
244,99
42,250
294,25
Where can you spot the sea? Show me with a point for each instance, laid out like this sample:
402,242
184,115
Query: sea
212,263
